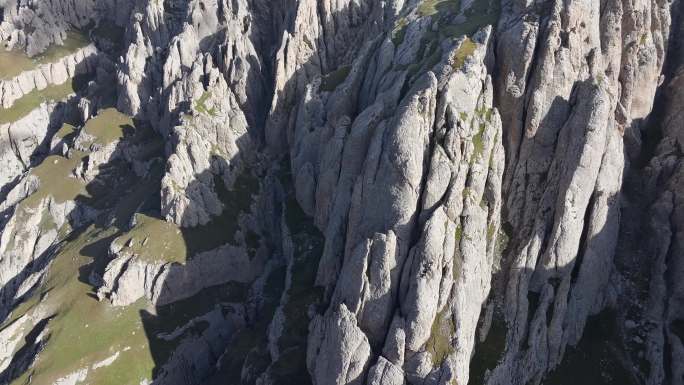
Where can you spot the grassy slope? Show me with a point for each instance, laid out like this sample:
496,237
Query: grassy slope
85,331
29,102
109,125
13,63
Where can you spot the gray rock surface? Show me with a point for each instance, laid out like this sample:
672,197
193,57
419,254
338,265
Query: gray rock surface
33,26
337,345
652,318
127,278
81,62
449,192
20,140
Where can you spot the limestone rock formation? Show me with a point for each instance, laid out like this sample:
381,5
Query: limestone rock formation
81,62
33,26
483,192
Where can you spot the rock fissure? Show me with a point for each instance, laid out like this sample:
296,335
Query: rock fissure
342,192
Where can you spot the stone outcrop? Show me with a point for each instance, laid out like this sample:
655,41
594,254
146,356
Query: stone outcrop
21,140
385,154
665,173
344,346
223,87
81,62
33,26
565,227
189,197
23,251
127,278
434,177
650,313
194,356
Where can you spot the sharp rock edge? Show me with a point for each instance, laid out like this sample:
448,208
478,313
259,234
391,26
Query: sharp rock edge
342,192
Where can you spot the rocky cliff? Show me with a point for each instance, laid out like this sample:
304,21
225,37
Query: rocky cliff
342,192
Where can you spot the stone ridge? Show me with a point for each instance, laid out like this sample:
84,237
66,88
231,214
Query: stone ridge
80,62
481,192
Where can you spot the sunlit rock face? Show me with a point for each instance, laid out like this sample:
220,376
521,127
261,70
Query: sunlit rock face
341,192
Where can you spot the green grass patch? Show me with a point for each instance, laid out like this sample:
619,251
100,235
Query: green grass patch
29,102
201,107
457,266
399,31
643,39
483,116
153,239
85,331
13,63
75,40
464,51
485,113
56,180
491,230
478,142
56,172
20,310
332,80
439,344
108,126
480,13
433,7
65,132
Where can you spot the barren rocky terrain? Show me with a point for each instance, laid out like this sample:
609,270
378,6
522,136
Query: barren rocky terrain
332,192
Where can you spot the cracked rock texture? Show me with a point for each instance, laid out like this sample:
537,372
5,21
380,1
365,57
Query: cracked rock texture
346,192
32,26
